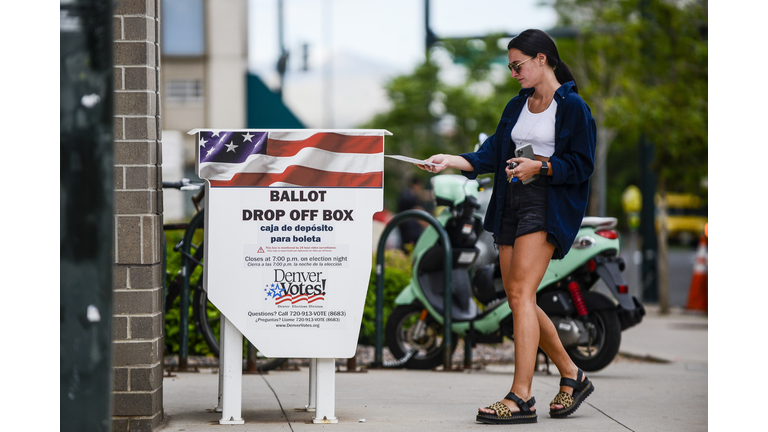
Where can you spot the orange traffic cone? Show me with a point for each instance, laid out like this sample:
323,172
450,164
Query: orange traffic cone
697,295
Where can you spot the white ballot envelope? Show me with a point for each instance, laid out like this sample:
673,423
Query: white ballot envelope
410,160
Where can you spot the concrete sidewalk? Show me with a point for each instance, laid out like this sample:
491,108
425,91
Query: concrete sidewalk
659,383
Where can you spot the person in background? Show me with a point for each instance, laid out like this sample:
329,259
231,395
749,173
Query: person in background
535,222
411,198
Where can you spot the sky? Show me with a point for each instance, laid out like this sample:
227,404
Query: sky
388,31
355,45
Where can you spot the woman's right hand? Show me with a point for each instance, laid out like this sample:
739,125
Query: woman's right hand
442,162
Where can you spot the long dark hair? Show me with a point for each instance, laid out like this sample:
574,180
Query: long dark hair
532,42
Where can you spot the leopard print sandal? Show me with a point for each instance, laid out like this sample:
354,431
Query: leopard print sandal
503,414
581,389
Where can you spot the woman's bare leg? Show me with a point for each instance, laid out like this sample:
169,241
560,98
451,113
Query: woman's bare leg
550,343
522,269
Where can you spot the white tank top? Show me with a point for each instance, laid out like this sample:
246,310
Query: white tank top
538,130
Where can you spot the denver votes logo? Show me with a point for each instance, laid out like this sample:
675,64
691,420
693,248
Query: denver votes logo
294,287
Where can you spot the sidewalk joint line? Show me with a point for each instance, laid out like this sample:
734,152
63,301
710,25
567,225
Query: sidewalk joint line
601,412
278,401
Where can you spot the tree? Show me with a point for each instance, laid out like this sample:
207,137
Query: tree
428,116
644,63
675,104
641,66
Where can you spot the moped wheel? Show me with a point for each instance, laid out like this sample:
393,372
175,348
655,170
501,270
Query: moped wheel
401,335
208,322
604,343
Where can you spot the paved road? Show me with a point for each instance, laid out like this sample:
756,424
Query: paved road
680,262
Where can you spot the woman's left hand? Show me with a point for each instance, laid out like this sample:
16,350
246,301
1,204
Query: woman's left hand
525,169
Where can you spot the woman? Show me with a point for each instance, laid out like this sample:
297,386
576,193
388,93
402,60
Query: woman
535,222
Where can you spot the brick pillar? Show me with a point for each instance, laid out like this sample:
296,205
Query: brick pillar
138,272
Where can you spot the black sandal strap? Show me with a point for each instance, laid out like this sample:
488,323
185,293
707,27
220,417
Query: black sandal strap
524,406
576,384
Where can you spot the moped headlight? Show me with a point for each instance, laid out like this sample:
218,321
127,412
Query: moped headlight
583,242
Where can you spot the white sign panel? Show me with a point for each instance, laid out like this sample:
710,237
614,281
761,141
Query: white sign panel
288,234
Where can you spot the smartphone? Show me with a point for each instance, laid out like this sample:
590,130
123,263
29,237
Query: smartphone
526,151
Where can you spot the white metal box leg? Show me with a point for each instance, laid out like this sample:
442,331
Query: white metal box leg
326,391
312,385
219,407
231,363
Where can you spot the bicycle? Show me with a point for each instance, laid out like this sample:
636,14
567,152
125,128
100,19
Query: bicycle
205,315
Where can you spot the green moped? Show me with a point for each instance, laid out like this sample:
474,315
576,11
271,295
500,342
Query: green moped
584,294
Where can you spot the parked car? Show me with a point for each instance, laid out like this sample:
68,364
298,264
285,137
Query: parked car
686,218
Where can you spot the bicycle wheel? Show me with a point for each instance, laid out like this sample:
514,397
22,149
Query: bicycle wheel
208,322
183,242
174,277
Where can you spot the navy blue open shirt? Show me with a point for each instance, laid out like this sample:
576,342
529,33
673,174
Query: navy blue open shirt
572,164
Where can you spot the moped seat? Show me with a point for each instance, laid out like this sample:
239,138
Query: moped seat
599,222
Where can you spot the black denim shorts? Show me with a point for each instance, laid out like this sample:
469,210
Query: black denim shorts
525,210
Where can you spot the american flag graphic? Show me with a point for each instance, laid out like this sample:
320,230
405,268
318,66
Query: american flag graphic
304,158
287,298
281,296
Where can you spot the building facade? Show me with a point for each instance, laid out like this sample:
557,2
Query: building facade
203,83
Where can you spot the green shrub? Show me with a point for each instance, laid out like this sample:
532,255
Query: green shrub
196,344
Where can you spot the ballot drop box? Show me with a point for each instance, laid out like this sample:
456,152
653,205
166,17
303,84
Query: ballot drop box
288,233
